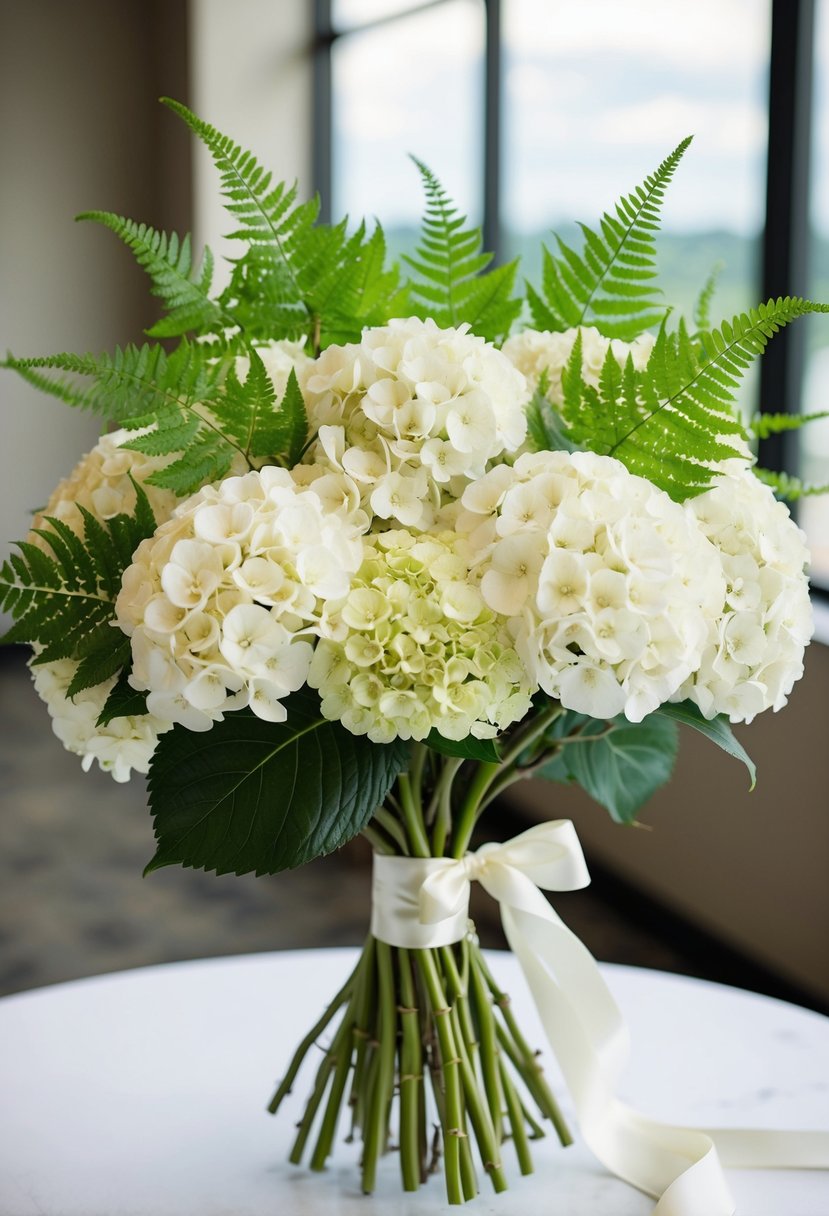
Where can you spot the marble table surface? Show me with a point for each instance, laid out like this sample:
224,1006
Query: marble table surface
143,1094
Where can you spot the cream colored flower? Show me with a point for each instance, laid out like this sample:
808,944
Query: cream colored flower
421,650
535,351
756,638
102,483
606,581
224,601
413,413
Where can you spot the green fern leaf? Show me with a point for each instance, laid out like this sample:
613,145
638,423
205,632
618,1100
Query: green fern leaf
674,421
611,282
168,261
763,425
702,307
450,284
788,488
62,598
122,701
546,431
250,414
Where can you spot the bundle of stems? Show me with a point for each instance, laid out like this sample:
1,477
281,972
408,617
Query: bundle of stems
427,1055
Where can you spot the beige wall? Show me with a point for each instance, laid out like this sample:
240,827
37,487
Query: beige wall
750,867
80,129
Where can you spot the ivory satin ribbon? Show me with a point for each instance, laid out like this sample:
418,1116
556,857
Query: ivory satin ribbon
419,903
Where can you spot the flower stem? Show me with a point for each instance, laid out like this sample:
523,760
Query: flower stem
377,1113
453,1121
413,817
411,1076
469,811
310,1038
442,802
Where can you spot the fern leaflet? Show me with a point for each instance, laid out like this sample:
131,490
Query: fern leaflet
763,425
62,592
450,284
673,421
787,488
168,261
610,284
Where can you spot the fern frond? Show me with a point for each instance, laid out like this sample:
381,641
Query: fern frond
168,261
450,284
787,488
763,425
610,283
62,595
674,421
702,307
546,431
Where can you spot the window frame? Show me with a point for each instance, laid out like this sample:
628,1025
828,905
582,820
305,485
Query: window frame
786,232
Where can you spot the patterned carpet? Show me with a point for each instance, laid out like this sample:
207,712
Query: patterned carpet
73,901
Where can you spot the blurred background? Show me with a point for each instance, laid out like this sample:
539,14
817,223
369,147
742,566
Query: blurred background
533,113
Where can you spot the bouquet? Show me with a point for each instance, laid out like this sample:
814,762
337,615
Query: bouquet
370,544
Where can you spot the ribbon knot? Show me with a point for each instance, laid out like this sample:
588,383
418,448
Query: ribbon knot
420,903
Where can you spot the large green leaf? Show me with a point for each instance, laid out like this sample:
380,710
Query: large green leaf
718,730
258,796
623,766
469,748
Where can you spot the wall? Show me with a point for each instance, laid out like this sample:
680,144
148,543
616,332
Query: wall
750,867
81,129
251,77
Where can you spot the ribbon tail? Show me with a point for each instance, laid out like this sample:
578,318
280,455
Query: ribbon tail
581,1020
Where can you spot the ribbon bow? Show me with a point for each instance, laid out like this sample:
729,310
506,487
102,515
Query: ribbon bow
423,902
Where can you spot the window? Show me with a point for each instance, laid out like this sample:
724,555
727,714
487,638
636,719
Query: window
555,108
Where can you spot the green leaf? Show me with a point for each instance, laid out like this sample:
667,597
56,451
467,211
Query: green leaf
763,425
184,288
788,488
122,701
260,796
610,283
62,595
623,768
702,306
469,748
718,730
546,431
450,283
674,421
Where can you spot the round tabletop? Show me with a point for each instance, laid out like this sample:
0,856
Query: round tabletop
143,1094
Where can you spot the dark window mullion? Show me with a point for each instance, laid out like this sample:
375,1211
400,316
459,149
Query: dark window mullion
322,148
786,237
492,235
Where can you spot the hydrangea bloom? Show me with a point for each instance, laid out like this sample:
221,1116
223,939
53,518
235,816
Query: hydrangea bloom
607,581
535,351
102,482
221,602
125,743
756,640
416,647
412,413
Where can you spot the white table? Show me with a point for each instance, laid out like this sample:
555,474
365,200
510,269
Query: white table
143,1094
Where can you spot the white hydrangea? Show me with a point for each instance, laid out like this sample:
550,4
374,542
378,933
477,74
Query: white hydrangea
124,744
608,583
756,639
535,351
102,482
413,413
415,647
224,601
